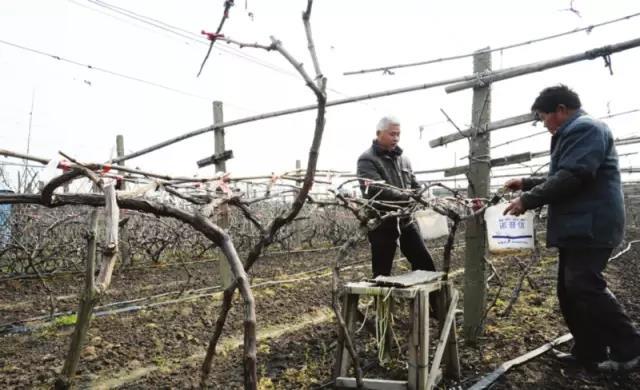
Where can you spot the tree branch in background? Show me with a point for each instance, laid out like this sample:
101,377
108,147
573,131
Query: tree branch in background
214,36
280,221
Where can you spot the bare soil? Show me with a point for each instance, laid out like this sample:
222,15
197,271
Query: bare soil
162,347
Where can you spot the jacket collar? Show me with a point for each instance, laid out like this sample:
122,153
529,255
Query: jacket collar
579,112
395,152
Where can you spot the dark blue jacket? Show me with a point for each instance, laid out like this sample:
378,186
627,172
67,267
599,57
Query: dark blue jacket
583,189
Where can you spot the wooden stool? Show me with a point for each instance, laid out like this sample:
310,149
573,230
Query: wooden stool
416,287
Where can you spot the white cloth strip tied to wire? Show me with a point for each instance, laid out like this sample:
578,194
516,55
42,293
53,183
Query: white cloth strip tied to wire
209,209
50,171
140,191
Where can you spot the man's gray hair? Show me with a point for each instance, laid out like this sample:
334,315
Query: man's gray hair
386,122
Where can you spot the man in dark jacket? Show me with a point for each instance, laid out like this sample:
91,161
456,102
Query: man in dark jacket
384,163
585,222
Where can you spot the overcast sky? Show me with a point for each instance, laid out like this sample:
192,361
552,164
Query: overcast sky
80,111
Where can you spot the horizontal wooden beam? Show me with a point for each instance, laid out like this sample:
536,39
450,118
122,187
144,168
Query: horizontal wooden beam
496,162
482,79
8,153
501,124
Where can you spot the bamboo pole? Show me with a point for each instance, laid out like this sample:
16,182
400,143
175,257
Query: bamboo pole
588,29
235,122
484,78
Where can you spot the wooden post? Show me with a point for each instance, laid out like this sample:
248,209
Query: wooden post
218,135
226,276
97,259
125,253
120,151
479,159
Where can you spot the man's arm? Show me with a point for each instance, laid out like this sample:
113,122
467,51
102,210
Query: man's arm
529,182
368,170
413,182
558,186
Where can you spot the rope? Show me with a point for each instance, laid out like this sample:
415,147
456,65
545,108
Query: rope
384,319
399,232
364,320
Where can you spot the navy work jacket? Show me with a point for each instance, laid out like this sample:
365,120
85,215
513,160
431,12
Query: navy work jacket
593,215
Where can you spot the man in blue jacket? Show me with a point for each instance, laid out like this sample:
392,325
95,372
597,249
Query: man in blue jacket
585,222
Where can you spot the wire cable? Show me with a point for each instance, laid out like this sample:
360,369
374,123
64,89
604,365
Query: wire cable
191,36
103,70
588,29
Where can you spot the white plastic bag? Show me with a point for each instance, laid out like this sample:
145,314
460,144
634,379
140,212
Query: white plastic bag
49,172
432,225
508,233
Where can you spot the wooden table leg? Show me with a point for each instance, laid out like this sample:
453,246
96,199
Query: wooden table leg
423,335
343,359
446,327
414,342
451,358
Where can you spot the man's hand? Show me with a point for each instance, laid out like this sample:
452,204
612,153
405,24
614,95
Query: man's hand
513,184
515,207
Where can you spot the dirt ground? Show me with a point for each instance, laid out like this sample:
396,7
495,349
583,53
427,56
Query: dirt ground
161,344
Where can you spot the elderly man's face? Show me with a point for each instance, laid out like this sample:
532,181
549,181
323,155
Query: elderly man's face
388,139
553,120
